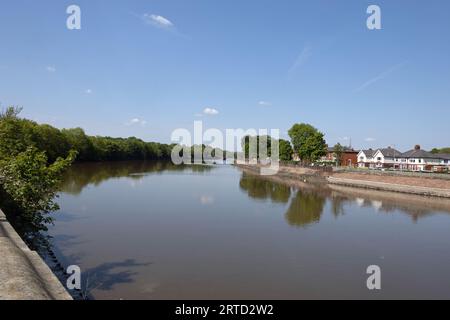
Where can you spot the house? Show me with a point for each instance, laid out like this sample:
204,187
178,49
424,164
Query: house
444,161
412,160
421,160
385,158
365,158
349,157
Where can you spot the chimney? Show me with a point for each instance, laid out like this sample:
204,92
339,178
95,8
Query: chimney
417,147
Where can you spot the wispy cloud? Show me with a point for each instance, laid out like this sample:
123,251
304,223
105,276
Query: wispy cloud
136,121
265,103
210,111
51,69
88,91
370,139
379,77
157,21
302,58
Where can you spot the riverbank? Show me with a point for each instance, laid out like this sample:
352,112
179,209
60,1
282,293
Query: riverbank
23,274
408,184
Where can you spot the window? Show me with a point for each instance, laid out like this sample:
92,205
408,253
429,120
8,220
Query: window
379,158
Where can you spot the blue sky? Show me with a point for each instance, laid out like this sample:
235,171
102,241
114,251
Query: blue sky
145,68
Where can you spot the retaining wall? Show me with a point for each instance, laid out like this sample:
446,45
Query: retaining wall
23,273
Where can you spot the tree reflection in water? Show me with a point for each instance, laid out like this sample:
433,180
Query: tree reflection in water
81,175
305,208
261,189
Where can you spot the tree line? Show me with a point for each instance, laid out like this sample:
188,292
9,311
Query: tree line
34,157
307,143
17,134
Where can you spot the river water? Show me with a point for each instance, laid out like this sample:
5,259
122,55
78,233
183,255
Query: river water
146,230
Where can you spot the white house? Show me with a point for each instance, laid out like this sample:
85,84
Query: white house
365,158
386,158
421,160
412,160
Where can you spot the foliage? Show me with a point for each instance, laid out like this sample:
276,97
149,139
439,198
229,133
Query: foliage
308,142
338,151
29,185
286,150
259,142
442,150
17,134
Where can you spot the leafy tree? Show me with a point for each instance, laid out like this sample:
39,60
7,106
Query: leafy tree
443,150
308,142
338,151
286,150
28,187
259,142
78,140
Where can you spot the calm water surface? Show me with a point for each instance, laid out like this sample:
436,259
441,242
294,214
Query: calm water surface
142,230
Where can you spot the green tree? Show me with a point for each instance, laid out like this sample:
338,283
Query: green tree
28,187
308,142
338,151
78,140
259,142
286,150
443,150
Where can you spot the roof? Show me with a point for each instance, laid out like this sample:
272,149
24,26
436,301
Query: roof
344,149
369,153
444,156
419,153
390,152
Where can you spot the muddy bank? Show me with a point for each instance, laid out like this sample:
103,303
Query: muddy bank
298,177
304,177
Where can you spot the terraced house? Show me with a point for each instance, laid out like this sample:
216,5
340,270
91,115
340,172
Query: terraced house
412,160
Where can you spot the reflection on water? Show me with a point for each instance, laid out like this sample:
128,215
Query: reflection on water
148,230
81,175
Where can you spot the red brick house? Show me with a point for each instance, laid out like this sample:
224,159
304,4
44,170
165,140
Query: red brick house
349,157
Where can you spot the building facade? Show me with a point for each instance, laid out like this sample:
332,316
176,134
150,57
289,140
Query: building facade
412,160
349,157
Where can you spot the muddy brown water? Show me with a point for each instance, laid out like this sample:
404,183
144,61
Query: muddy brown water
146,230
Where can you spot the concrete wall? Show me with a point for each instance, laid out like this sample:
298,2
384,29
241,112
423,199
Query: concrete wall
23,274
423,191
424,175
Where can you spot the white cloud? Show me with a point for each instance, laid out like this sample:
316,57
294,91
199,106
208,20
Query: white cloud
379,77
211,111
136,121
88,91
157,21
302,58
370,139
51,69
264,103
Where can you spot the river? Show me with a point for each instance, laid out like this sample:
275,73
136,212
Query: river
147,230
